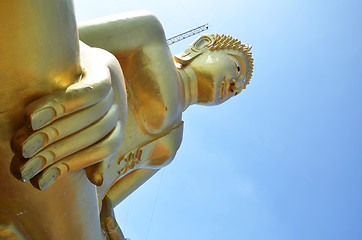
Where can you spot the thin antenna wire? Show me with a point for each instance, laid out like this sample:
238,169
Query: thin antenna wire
118,4
126,218
192,18
187,34
154,204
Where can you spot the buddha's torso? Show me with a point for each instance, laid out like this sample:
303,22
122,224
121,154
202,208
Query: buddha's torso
140,147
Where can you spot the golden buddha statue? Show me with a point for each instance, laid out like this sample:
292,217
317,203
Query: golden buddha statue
107,119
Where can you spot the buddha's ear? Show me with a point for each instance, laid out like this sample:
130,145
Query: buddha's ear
186,57
203,42
195,49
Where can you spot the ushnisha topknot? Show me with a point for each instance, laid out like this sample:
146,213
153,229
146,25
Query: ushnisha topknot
223,42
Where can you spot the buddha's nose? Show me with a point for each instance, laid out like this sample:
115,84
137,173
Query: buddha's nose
233,87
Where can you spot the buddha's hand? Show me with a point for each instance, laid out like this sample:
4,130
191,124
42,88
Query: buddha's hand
80,127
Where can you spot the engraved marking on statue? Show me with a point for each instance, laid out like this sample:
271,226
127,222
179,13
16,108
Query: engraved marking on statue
122,120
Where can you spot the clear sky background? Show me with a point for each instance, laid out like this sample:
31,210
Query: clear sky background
282,160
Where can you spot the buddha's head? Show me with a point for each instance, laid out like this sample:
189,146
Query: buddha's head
223,67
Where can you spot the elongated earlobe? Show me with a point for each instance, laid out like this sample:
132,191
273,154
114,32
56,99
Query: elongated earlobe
186,57
195,49
203,42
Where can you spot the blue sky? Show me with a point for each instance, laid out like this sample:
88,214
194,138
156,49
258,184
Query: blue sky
283,159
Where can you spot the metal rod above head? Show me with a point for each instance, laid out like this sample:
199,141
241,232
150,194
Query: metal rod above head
187,34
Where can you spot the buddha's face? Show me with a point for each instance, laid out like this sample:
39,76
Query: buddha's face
222,65
220,75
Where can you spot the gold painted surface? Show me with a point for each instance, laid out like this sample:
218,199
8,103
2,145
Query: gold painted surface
40,53
117,123
109,222
213,69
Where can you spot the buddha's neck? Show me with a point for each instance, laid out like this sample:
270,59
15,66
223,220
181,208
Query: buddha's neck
189,80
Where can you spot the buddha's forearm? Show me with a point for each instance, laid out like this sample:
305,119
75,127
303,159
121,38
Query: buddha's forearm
124,33
126,185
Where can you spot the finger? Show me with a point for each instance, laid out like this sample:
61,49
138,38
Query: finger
108,222
18,139
112,229
71,144
103,150
62,128
93,87
16,163
96,172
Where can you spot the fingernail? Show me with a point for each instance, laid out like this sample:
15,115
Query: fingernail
111,224
31,168
48,178
42,117
97,179
33,144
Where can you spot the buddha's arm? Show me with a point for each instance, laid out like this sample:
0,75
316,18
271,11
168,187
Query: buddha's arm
122,34
138,41
128,184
